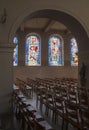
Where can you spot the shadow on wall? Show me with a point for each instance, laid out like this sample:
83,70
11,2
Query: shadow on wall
82,74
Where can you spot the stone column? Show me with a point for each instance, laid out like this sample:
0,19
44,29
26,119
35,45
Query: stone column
6,85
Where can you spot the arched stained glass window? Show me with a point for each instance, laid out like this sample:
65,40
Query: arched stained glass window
55,51
15,54
33,50
74,52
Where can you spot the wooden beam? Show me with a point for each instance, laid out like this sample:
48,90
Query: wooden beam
48,25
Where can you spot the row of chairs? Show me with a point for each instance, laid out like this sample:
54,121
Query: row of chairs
71,103
25,86
64,98
30,118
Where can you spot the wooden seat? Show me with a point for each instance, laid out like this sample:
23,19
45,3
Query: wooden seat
84,107
64,91
73,94
29,119
35,121
73,115
49,104
18,103
38,126
85,119
28,91
60,109
38,116
38,96
42,98
43,125
83,98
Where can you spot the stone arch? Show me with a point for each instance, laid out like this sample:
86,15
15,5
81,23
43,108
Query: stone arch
73,23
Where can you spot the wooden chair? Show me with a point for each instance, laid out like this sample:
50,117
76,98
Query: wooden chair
84,107
38,126
42,125
38,116
38,96
83,98
40,90
28,120
17,105
84,119
42,98
60,109
28,90
73,94
49,104
64,91
73,115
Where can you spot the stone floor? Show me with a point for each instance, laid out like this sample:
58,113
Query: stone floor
57,126
11,122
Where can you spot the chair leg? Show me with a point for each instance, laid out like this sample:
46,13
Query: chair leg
62,124
23,124
54,116
66,125
29,128
46,111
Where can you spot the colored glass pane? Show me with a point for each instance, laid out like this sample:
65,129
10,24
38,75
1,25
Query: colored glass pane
15,54
33,51
55,51
74,52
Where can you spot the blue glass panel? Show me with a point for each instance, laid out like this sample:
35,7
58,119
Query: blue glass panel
74,52
15,54
32,51
55,51
15,40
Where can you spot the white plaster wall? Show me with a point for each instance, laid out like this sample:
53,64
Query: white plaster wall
17,10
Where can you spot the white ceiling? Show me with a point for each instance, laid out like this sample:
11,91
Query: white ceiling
43,23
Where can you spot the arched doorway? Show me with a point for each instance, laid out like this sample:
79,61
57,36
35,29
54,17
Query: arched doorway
73,24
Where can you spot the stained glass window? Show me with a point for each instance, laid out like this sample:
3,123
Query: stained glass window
74,52
55,52
15,54
33,50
